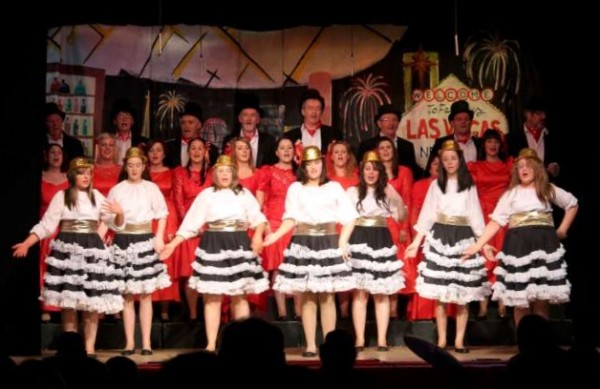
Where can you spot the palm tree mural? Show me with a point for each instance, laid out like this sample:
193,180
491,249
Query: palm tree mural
170,104
359,105
491,60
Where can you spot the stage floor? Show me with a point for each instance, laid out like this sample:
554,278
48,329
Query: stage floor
370,357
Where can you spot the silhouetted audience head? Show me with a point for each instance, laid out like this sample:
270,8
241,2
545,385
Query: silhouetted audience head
534,333
252,342
338,352
35,373
124,371
178,371
70,345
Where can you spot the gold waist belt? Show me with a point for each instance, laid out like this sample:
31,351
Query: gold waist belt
79,226
371,221
227,225
532,218
453,220
137,228
320,229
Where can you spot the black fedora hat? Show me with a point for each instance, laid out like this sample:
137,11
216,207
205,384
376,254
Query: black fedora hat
122,105
312,94
247,101
535,104
385,109
192,109
51,109
460,106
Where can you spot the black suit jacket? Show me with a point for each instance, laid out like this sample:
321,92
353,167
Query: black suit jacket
173,149
517,140
406,153
328,134
266,148
72,147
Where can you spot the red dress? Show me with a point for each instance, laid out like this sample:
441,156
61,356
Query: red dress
186,186
403,183
345,182
164,180
105,177
274,184
491,180
48,191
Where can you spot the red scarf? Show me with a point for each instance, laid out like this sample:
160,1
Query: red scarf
124,138
536,132
186,141
312,130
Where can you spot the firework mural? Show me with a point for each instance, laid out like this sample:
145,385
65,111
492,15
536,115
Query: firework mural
491,60
359,105
170,105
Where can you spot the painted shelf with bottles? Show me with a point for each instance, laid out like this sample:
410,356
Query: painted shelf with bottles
79,92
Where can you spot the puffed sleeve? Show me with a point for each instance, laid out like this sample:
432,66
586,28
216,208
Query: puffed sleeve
474,211
292,203
501,213
159,205
107,218
255,216
51,218
397,206
564,199
346,211
428,211
196,216
112,195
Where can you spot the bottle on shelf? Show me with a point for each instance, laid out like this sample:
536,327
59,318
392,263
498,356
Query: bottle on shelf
67,124
84,128
75,126
75,105
83,105
69,106
64,87
79,88
55,86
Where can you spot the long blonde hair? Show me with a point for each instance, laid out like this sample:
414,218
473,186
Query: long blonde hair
543,188
233,156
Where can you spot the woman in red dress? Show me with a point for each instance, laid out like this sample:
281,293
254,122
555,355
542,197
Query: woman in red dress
491,173
188,182
54,179
106,168
342,168
163,177
272,189
401,179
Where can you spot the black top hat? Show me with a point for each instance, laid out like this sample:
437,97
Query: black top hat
460,106
312,94
247,101
122,105
192,109
51,109
385,109
535,104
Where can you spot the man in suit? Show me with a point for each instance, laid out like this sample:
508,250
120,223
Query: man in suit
263,145
535,135
190,123
387,120
54,126
460,118
123,118
312,132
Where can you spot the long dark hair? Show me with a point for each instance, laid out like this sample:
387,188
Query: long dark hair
63,166
205,162
72,191
465,181
395,163
491,133
380,185
303,175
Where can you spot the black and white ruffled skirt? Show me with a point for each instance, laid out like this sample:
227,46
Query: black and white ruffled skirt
531,267
143,271
80,275
314,263
375,267
226,265
443,276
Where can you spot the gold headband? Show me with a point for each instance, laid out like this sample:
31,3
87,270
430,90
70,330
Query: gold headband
449,144
79,163
371,156
528,153
135,152
224,160
311,153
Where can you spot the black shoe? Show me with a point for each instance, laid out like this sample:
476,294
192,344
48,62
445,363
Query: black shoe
281,318
359,348
462,350
481,317
146,352
297,318
127,353
93,356
383,348
309,354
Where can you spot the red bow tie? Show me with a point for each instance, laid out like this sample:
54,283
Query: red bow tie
124,138
313,129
